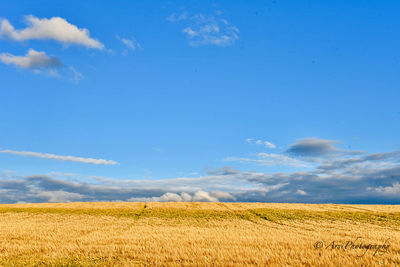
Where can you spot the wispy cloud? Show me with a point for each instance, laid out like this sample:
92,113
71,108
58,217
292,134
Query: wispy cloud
271,159
261,143
76,75
178,17
204,29
55,28
131,43
59,157
33,60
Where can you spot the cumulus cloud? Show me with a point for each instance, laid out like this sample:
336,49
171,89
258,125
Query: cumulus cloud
202,196
203,29
198,196
260,142
59,157
33,60
222,195
393,190
55,28
169,197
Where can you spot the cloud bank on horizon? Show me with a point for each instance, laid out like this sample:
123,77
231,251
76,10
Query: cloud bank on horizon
349,177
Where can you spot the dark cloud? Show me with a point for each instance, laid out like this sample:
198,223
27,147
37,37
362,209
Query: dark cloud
346,186
42,188
316,147
39,189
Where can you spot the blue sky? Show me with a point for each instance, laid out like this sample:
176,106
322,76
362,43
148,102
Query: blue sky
288,101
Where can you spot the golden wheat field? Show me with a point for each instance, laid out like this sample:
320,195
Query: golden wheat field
199,234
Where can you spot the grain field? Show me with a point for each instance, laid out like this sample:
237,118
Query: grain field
199,234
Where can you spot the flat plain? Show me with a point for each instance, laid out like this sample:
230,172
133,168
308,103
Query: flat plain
199,234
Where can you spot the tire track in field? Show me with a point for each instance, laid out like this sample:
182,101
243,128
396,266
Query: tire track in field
248,218
120,231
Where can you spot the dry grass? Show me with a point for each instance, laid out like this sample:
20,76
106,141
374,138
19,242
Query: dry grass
220,234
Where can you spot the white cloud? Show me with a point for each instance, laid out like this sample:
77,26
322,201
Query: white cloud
58,157
186,197
202,196
169,197
199,196
269,144
207,30
387,190
33,60
261,142
175,17
301,192
55,28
